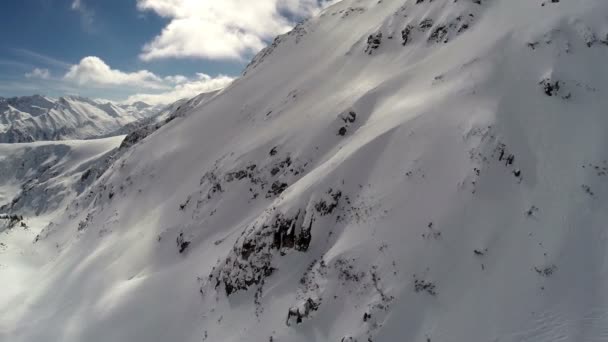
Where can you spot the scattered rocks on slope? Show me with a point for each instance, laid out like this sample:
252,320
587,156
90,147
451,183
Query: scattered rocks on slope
421,285
182,243
373,42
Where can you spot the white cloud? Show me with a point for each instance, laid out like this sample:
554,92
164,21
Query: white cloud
43,74
227,29
143,85
201,84
176,79
93,71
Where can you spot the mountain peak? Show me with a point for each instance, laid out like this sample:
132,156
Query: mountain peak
140,104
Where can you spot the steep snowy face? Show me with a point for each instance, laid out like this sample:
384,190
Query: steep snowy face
418,170
148,125
38,179
33,118
33,105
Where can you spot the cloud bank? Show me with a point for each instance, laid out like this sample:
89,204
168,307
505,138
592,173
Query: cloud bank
201,84
43,74
92,71
207,29
227,29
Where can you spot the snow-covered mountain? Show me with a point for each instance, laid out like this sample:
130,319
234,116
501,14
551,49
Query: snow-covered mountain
34,118
37,181
394,170
38,178
163,115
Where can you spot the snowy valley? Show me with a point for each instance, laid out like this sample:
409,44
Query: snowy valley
393,170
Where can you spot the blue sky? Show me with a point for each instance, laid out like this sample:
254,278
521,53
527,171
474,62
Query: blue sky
155,50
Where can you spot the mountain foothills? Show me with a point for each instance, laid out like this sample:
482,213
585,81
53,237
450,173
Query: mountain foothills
34,118
393,170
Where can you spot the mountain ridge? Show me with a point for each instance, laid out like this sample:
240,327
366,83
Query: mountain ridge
34,118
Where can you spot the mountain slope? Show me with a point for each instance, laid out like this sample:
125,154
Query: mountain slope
37,181
40,178
166,114
34,118
389,170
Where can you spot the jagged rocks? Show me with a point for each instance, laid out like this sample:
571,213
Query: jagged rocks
438,34
251,259
329,202
373,42
11,221
545,271
350,117
555,88
272,177
301,311
350,11
406,34
288,236
82,225
297,33
425,25
214,184
480,252
347,119
444,32
138,135
347,271
182,243
425,286
276,232
276,189
550,88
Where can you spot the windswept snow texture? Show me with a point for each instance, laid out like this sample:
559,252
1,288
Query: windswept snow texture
418,170
35,118
37,181
40,178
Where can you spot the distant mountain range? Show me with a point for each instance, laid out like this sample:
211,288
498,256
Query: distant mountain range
35,118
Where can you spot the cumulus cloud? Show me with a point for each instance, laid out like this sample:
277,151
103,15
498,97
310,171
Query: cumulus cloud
189,88
227,29
176,79
43,74
94,71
